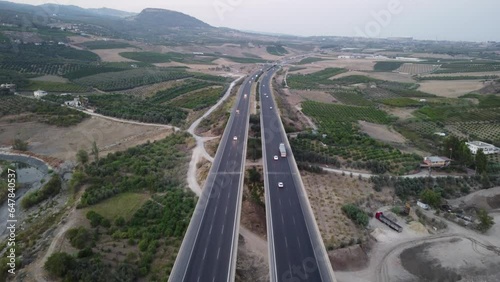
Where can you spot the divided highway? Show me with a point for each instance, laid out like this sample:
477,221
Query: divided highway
208,251
296,250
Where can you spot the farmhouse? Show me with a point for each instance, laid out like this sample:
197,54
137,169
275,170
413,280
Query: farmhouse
474,146
435,161
39,93
75,103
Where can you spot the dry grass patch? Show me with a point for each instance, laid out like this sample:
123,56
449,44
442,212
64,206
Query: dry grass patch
328,193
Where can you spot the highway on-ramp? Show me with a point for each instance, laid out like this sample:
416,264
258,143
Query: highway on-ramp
296,250
208,251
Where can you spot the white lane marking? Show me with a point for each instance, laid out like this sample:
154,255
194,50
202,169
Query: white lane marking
280,201
210,232
290,202
205,253
293,217
225,211
282,220
198,279
298,241
222,231
218,253
286,242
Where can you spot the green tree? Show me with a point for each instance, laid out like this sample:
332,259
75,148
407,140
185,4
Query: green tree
20,145
95,152
59,264
481,162
82,157
431,197
485,221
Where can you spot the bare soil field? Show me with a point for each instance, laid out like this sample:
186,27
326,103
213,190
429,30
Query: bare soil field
488,199
390,76
464,74
315,95
63,143
450,89
350,64
113,55
402,113
451,259
382,132
327,193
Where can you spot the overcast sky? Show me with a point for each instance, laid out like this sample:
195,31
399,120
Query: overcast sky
422,19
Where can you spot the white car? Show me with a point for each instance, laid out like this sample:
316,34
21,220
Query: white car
280,184
271,108
245,96
237,111
235,138
275,158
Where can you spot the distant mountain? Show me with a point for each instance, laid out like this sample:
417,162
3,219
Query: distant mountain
111,12
153,18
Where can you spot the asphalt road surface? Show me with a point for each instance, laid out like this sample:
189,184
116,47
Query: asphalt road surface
209,247
292,251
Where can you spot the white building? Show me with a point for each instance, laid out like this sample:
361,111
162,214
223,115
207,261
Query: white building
75,103
488,149
40,93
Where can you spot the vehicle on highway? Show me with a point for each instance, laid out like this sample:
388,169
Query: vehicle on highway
280,184
237,111
271,108
235,138
282,150
275,157
245,96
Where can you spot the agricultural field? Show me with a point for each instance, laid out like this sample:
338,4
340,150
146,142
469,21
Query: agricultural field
54,87
401,102
387,66
415,69
42,111
151,57
458,77
467,66
130,107
342,113
50,68
113,81
313,80
340,142
485,131
198,100
179,89
451,114
351,97
353,79
101,44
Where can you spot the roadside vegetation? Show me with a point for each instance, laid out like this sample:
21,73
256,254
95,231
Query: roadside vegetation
41,111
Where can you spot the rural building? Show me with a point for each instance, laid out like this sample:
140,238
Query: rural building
435,161
75,103
40,93
474,146
8,86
